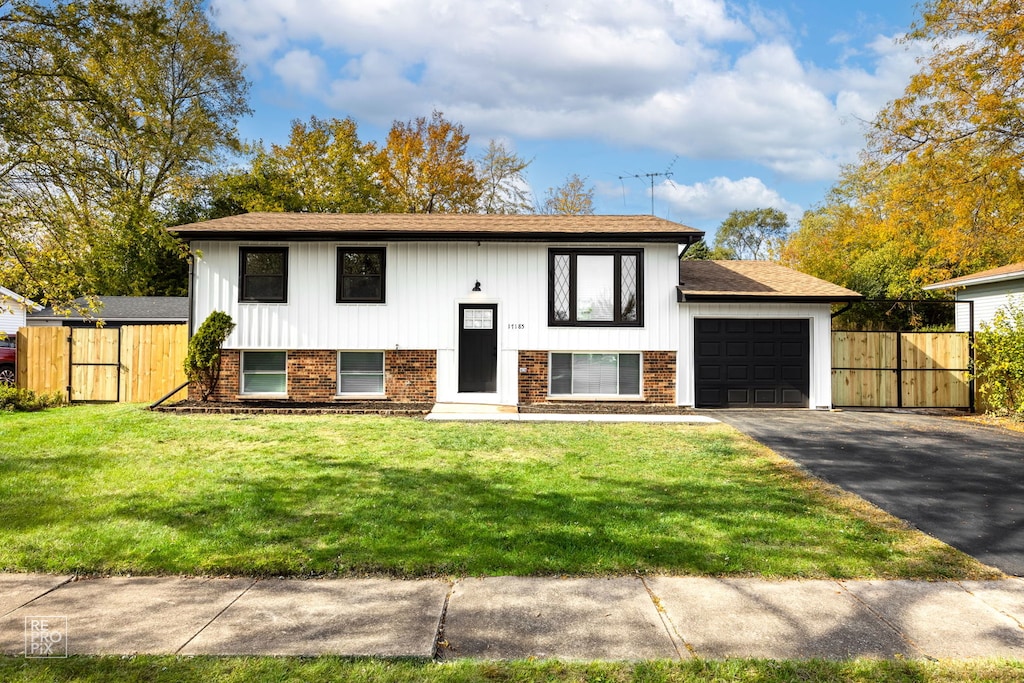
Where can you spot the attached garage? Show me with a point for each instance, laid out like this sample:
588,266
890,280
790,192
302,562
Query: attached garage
758,334
751,363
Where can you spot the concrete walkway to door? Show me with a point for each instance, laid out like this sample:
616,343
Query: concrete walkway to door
958,481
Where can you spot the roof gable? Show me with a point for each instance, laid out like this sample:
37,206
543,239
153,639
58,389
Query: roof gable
754,281
424,226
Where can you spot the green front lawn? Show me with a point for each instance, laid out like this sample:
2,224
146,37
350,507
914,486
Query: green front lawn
99,489
276,669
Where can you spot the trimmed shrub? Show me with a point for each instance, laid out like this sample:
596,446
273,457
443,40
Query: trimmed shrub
202,364
25,400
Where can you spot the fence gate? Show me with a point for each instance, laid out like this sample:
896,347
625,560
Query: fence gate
94,364
901,369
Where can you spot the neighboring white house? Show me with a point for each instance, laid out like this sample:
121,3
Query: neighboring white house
12,311
504,310
990,290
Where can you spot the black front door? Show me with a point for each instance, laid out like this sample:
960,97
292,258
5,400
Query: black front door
478,348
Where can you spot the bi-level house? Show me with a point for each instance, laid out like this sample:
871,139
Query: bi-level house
504,310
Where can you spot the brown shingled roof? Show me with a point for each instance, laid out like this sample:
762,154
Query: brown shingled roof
754,280
1010,272
437,226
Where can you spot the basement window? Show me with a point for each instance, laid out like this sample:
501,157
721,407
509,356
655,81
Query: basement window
361,373
264,372
595,375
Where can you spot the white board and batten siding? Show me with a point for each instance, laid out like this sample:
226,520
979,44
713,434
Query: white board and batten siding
425,283
988,298
820,329
13,310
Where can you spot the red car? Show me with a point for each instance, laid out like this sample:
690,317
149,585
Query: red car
7,358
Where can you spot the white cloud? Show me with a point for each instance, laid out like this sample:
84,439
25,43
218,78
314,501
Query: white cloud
689,77
714,199
301,70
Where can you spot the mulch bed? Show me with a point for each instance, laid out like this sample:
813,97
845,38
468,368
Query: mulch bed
387,408
296,408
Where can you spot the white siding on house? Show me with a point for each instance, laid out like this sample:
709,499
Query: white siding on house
819,315
988,298
12,316
13,308
425,282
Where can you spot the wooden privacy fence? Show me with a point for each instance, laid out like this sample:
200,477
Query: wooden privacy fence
134,363
901,369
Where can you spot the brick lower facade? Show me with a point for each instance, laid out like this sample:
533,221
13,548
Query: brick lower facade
659,377
410,376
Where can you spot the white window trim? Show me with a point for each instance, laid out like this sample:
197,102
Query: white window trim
383,375
597,397
262,394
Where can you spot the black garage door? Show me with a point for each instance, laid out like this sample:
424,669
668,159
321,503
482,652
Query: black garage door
751,363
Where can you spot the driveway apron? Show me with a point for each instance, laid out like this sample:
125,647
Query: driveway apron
960,482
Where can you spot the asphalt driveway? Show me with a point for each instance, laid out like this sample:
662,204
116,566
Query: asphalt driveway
960,482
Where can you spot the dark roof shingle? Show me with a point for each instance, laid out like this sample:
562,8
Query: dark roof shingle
127,309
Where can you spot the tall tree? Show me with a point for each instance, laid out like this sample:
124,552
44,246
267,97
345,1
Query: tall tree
324,168
573,197
756,234
504,189
939,190
109,106
423,167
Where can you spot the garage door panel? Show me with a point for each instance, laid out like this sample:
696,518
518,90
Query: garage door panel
737,372
737,349
752,362
709,372
794,397
792,350
709,396
738,396
791,373
710,349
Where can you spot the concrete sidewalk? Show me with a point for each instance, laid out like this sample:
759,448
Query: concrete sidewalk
513,617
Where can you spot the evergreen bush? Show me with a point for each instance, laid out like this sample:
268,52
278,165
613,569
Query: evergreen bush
202,364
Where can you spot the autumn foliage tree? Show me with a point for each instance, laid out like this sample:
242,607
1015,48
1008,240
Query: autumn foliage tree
423,167
324,168
108,106
573,197
938,190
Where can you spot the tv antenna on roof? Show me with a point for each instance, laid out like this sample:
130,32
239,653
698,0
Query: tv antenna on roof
652,176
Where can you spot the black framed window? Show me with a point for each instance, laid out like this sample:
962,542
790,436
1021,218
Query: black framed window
595,287
263,274
361,274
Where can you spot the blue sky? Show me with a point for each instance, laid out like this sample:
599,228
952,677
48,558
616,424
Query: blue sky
746,104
